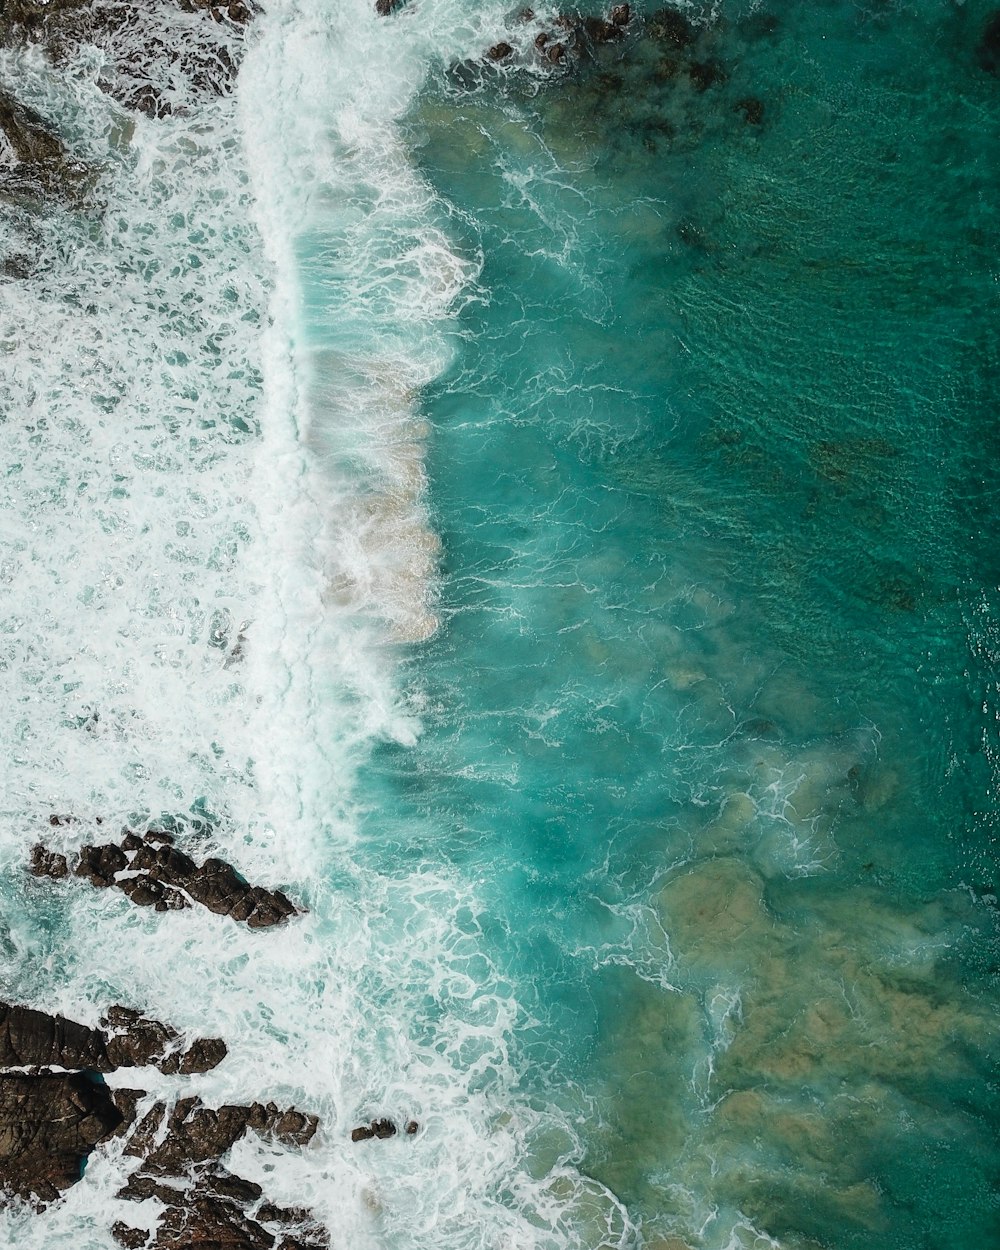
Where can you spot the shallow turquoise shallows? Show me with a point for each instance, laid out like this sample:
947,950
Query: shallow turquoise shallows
711,719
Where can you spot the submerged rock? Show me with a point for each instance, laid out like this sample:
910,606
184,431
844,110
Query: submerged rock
148,66
33,159
988,51
152,872
752,110
671,27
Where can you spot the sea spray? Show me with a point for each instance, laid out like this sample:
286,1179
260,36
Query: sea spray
220,523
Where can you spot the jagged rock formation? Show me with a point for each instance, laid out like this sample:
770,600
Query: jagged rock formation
212,1211
160,57
154,873
33,159
48,1126
51,1122
34,1039
214,1207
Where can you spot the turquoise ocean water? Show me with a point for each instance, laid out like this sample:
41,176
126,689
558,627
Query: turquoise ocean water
601,476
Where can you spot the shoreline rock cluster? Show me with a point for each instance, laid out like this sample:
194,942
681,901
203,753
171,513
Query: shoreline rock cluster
152,872
51,1122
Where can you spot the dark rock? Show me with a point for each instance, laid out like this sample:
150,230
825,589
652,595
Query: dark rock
141,891
226,1185
144,1137
671,27
500,52
383,1129
48,1127
152,872
158,837
136,1041
384,7
988,51
273,1214
541,39
99,864
598,30
147,66
202,1056
705,74
621,14
30,1038
362,1133
411,1127
555,52
130,1238
126,1100
197,1134
46,863
752,110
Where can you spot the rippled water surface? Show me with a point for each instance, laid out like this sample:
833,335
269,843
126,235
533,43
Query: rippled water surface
543,520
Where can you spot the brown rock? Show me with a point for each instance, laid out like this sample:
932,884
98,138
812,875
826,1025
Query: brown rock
48,1127
500,52
30,1038
130,1238
45,863
99,864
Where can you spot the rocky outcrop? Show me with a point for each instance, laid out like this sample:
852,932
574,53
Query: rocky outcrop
51,1122
34,1039
48,1126
33,159
134,1041
212,1212
213,1207
159,57
627,76
196,1134
153,872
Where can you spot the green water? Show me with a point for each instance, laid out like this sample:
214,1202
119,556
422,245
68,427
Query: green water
712,715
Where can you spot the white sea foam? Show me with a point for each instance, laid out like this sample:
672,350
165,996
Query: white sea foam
214,517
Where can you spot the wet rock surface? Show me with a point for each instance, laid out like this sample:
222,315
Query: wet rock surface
160,57
152,872
127,1039
218,1209
196,1134
213,1207
34,161
50,1122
